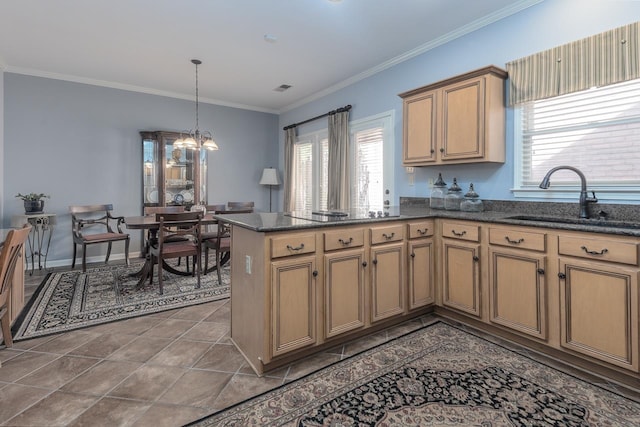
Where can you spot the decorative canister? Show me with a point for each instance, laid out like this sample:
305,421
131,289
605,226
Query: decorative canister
437,194
471,202
454,197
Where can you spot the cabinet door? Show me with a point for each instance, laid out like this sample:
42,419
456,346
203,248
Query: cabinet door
517,291
344,291
463,120
461,276
419,122
599,311
421,273
387,281
293,299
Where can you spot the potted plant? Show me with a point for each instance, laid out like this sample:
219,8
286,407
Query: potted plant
33,202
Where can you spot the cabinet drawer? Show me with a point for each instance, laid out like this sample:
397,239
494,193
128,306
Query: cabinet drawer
456,230
389,233
294,244
342,239
517,238
420,229
608,249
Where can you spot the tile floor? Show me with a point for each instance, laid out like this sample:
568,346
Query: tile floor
164,369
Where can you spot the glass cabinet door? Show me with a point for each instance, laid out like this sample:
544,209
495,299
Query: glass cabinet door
172,176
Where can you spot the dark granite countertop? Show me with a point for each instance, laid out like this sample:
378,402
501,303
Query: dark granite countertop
619,219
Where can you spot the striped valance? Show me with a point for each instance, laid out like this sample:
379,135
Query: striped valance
603,59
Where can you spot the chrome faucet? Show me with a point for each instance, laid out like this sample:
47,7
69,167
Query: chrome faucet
584,199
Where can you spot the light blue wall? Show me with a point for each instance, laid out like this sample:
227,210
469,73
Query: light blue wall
540,27
81,144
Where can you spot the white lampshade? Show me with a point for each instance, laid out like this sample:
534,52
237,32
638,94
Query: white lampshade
270,177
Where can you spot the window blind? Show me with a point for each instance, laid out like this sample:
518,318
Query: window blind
596,130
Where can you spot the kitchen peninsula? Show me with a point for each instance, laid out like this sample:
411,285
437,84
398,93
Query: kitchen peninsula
558,284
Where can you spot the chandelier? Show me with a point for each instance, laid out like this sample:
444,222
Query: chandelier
194,139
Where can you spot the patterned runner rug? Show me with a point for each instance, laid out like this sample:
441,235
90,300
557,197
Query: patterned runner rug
437,376
71,300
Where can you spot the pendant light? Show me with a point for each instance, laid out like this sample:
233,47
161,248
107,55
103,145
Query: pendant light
194,139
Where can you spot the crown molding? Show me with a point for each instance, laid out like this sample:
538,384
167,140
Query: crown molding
130,88
469,28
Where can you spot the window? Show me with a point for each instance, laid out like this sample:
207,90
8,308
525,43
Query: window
371,145
596,130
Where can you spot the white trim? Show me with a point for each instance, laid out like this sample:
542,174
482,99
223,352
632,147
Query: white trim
131,88
514,8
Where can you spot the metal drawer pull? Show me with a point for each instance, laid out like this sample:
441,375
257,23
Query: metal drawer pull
514,242
297,248
602,252
455,233
423,232
346,242
388,236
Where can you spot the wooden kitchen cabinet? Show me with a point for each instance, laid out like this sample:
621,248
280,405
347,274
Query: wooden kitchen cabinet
344,281
388,265
461,267
599,298
421,264
293,311
457,120
517,280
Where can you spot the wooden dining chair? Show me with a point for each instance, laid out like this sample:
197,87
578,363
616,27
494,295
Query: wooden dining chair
172,226
240,205
221,244
99,219
9,261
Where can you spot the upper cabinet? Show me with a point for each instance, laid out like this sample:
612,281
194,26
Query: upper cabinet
172,176
458,120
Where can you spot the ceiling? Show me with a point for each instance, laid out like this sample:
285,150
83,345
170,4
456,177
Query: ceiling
147,45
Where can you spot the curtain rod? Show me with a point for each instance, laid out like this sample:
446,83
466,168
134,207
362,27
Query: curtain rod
339,110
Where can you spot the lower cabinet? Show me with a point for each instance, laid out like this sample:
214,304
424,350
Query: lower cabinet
517,291
387,281
421,272
293,299
344,291
387,275
461,267
599,311
517,280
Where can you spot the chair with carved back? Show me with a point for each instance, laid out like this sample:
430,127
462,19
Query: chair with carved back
221,244
10,254
105,228
172,231
152,211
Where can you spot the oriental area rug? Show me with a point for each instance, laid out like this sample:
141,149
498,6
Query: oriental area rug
69,300
437,376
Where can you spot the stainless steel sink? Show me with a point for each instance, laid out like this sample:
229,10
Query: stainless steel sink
577,221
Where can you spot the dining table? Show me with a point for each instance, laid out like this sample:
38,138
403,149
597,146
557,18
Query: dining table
151,224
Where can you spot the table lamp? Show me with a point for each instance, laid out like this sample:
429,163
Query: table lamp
270,178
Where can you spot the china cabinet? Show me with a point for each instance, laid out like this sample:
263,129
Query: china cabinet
171,175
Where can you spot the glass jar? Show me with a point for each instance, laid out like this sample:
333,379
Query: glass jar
471,202
454,197
437,194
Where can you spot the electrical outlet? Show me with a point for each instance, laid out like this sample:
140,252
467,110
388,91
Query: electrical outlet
247,264
430,182
409,169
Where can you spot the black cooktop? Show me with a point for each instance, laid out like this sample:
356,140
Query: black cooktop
342,215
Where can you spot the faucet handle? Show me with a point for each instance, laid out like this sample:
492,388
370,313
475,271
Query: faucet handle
594,199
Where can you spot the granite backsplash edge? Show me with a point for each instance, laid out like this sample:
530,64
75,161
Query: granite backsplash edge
615,212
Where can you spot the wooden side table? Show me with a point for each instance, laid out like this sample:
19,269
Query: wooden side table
40,237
